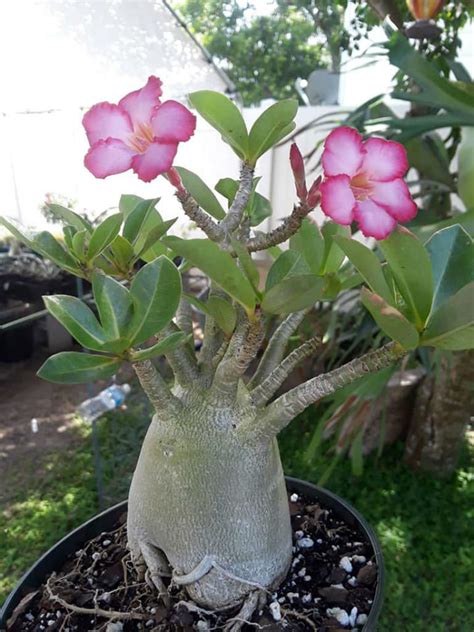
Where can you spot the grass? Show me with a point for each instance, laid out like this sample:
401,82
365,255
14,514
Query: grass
425,525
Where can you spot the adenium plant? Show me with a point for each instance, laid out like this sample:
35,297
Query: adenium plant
208,502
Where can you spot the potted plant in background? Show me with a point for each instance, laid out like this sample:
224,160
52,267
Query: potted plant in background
208,504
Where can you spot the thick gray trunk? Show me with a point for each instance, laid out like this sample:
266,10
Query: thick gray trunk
209,500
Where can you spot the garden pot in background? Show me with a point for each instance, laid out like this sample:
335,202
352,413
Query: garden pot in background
54,559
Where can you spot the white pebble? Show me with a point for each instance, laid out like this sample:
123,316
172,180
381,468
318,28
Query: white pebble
29,616
359,559
307,578
352,581
51,622
339,614
275,610
345,563
153,610
96,556
294,498
202,625
361,619
299,534
105,597
353,616
149,623
114,626
302,572
319,541
305,543
307,598
281,600
106,542
292,595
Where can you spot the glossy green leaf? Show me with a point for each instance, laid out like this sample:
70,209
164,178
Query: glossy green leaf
217,264
69,217
310,243
266,131
220,309
122,252
21,233
451,251
247,263
104,234
170,343
128,202
137,219
79,244
114,304
224,116
50,247
390,320
157,250
152,237
333,255
410,265
201,193
69,232
155,291
293,294
79,320
289,263
452,325
368,265
73,367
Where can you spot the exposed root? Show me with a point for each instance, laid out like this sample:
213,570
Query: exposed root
234,624
157,567
300,617
97,612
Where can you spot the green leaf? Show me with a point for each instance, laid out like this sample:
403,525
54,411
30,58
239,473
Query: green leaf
128,202
452,325
224,116
69,217
155,291
104,234
293,294
152,237
309,242
218,308
201,193
79,244
157,250
48,246
136,220
390,320
79,320
451,251
247,263
411,267
333,255
217,264
368,265
69,232
73,367
289,263
266,131
160,348
122,252
114,304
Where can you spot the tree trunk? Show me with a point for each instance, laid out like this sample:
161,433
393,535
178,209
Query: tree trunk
440,416
214,504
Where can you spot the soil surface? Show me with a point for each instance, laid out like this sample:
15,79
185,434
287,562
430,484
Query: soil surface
329,588
23,397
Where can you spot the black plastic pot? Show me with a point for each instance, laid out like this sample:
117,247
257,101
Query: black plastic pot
53,559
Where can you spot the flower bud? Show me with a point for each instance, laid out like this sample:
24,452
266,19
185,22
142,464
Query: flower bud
424,9
297,166
314,194
174,178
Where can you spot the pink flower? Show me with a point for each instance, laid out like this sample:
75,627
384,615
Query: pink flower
139,133
364,182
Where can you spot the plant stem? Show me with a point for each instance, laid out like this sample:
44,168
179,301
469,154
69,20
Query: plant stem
234,216
289,227
201,219
156,389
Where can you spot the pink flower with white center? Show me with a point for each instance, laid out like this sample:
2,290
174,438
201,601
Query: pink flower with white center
364,182
139,133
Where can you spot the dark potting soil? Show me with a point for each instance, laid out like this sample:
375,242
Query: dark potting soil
329,588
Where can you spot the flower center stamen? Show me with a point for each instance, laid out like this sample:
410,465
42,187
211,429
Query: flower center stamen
141,138
360,186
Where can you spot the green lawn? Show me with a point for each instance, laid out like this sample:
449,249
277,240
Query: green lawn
425,525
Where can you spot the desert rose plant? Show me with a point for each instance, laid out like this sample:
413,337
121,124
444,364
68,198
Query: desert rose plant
208,502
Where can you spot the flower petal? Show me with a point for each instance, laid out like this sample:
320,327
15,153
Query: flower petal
173,122
157,159
373,220
141,104
343,152
384,160
337,199
395,198
108,157
105,120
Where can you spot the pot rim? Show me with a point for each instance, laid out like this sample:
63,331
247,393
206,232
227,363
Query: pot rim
53,557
